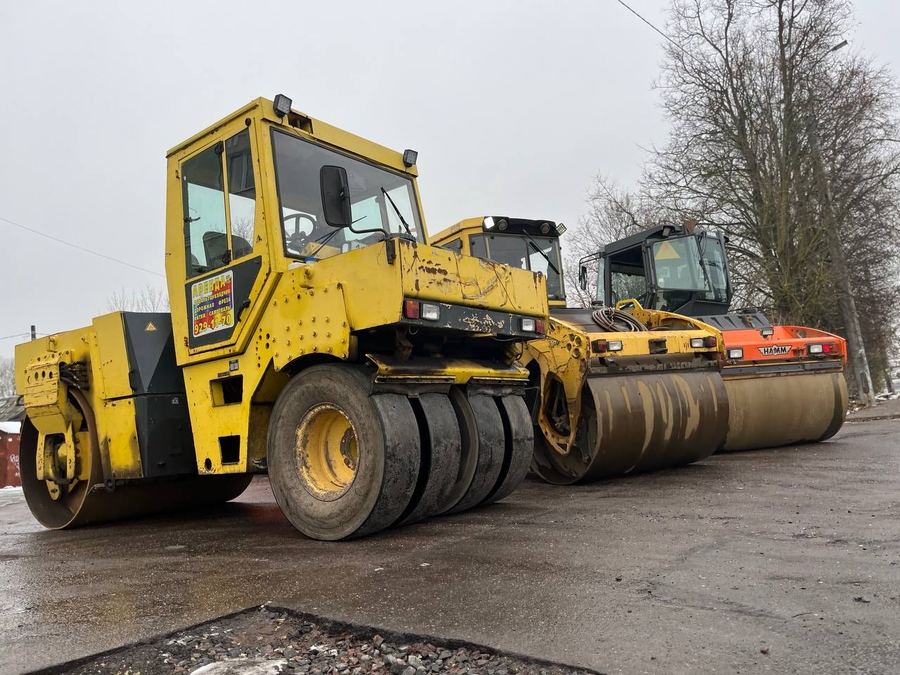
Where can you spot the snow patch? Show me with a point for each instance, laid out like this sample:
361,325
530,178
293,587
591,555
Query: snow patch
242,667
11,427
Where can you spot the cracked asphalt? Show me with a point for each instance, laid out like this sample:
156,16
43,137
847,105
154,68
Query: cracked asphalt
776,561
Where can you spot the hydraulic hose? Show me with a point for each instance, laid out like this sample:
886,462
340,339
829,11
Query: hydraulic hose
614,320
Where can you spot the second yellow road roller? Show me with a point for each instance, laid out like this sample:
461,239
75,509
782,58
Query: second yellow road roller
613,392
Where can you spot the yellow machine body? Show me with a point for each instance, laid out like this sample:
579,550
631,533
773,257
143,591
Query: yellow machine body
275,298
650,402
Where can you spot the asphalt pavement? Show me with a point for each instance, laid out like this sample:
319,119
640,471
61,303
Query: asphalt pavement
774,561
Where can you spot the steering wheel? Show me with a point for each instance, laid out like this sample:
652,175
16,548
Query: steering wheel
296,240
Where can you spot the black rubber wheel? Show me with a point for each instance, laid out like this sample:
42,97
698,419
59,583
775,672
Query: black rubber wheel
518,430
342,463
441,449
483,446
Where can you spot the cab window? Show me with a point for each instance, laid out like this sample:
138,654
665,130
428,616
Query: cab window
713,256
454,245
677,265
477,246
537,254
627,277
206,211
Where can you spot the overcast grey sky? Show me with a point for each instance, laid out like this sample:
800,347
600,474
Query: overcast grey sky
513,107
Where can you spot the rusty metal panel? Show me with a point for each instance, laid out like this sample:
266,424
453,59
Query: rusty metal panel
9,460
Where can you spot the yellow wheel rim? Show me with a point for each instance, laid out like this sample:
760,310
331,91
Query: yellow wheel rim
327,452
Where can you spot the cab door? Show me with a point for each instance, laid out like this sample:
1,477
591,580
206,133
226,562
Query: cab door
224,255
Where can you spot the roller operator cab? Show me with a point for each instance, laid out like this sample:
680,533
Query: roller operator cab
785,383
613,393
313,334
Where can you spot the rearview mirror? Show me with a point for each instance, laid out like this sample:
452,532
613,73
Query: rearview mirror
582,277
335,196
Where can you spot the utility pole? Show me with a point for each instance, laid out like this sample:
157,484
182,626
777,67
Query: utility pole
846,303
33,333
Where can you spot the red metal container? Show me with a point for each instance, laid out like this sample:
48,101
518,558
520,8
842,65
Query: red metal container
9,460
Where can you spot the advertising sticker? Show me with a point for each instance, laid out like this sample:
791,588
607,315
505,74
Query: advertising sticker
212,304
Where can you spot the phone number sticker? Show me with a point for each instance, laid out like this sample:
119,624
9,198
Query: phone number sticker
212,304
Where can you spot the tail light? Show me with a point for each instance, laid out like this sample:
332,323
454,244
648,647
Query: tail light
822,348
429,311
601,346
529,325
411,309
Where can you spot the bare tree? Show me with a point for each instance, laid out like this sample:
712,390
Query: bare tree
613,213
244,228
785,143
149,299
7,377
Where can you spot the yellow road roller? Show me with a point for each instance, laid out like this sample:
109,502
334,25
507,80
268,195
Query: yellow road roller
785,384
313,335
612,392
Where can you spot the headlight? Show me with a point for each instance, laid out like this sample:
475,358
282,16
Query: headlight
701,342
735,353
430,311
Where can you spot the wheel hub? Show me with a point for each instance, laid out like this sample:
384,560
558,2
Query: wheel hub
327,452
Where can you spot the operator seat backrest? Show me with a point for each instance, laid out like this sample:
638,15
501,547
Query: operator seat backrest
241,247
215,246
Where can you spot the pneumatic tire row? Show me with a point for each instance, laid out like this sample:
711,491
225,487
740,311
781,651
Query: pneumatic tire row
346,463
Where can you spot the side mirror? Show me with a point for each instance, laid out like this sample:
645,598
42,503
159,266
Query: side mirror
335,196
582,277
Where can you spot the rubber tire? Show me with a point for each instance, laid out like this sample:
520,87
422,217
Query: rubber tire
441,450
389,452
519,450
484,445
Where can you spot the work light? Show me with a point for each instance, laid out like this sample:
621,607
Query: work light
282,105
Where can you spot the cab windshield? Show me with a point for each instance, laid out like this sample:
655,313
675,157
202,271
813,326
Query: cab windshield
538,254
297,166
677,265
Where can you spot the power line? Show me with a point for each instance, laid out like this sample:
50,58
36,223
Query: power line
647,21
80,248
23,335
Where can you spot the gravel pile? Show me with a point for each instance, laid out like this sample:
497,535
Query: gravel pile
267,640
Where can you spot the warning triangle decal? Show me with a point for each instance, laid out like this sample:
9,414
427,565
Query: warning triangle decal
666,252
149,327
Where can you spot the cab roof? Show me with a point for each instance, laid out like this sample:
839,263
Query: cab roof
532,226
264,109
